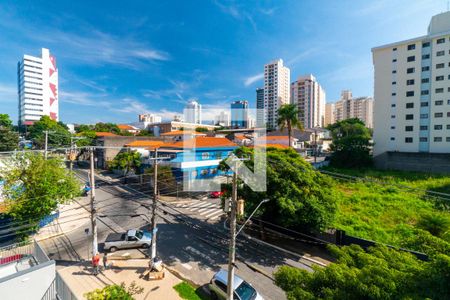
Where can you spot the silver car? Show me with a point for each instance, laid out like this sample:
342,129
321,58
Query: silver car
242,289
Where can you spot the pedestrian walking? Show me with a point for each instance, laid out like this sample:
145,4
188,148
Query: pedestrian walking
96,263
105,261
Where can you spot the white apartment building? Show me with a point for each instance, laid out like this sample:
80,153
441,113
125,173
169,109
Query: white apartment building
412,92
329,114
150,118
37,88
276,90
348,107
193,113
222,119
309,97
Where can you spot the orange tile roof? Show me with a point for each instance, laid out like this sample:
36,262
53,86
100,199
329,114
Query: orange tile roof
145,144
100,134
276,137
181,132
278,146
126,127
202,142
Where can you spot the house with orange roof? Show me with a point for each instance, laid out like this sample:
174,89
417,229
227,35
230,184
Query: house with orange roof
179,135
282,140
128,128
103,134
198,157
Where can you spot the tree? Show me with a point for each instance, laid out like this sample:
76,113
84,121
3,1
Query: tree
83,128
9,139
33,186
145,132
107,127
58,135
379,273
166,179
127,161
288,118
351,144
201,129
300,197
115,291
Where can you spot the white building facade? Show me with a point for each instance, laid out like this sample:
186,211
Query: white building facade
348,107
193,113
150,118
412,92
222,119
37,88
276,90
309,97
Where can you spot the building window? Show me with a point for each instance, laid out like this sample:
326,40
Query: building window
423,139
411,58
426,44
409,117
394,49
439,78
425,80
408,139
394,71
438,115
394,60
392,138
394,94
392,116
439,66
409,128
412,47
437,139
440,41
448,114
439,90
424,92
410,94
423,104
440,53
424,116
448,126
410,70
425,56
392,127
410,105
394,82
426,68
437,127
439,102
448,102
204,172
447,139
424,127
410,82
205,155
393,104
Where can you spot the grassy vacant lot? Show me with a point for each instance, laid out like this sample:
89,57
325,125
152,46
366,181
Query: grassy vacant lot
391,214
188,292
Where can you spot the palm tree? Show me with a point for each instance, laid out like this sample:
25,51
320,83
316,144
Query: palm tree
288,118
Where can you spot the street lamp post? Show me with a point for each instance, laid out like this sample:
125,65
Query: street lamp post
251,215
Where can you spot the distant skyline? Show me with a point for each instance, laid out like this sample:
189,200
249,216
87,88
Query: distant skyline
119,60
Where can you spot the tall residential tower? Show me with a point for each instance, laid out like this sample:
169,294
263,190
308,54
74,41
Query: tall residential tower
193,113
348,107
37,84
276,90
239,114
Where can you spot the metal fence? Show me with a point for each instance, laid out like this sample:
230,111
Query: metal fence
58,290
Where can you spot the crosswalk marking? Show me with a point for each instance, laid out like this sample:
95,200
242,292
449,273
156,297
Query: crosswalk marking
217,212
200,207
203,209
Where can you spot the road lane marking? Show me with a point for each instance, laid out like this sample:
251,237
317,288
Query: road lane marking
218,212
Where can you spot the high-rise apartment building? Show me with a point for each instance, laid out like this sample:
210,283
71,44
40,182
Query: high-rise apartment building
239,114
309,97
412,92
348,107
37,84
150,118
222,119
276,90
329,114
260,107
193,113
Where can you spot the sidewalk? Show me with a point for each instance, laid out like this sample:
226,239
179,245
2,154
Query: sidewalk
80,280
71,217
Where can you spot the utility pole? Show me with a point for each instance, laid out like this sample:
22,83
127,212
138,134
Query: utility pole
46,144
93,209
232,249
155,199
70,154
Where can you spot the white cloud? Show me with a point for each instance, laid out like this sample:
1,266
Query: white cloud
252,79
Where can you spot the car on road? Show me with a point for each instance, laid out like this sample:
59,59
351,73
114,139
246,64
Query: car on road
242,289
216,194
133,238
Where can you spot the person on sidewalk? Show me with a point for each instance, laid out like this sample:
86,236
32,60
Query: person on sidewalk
105,262
96,263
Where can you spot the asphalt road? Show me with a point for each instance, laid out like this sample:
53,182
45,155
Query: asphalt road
190,246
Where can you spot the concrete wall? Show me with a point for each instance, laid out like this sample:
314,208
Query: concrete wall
30,284
422,162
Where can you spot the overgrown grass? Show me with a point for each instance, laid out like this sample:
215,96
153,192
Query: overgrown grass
391,214
188,292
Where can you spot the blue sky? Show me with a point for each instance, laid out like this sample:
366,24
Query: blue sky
120,58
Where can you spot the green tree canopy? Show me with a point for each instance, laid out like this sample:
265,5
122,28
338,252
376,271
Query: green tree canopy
288,118
115,292
127,161
351,143
83,128
201,129
300,197
379,273
107,127
34,186
9,139
59,134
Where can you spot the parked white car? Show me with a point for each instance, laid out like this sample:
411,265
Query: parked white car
133,238
242,289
